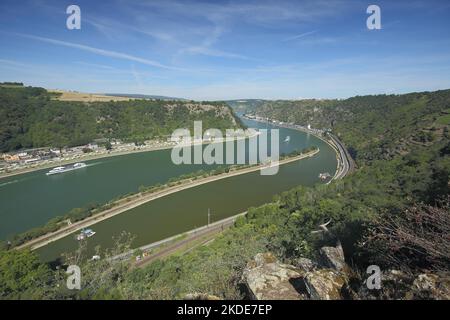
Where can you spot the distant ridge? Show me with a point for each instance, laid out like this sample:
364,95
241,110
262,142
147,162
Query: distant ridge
143,96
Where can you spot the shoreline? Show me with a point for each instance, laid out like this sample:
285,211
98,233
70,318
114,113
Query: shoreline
339,158
107,155
142,199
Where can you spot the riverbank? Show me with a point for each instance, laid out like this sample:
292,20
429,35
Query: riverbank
139,199
345,163
110,154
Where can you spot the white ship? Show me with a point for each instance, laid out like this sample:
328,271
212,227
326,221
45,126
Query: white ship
288,138
70,167
86,233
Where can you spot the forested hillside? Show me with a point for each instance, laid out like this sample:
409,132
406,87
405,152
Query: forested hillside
246,106
31,117
392,212
373,127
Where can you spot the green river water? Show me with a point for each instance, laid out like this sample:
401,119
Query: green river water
30,200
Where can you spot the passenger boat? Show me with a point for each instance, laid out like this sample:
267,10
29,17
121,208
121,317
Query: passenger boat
70,167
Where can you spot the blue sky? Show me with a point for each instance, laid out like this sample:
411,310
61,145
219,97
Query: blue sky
227,49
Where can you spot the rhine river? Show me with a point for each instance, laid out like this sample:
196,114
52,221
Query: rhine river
30,200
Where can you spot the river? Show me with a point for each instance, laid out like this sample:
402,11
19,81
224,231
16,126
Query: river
31,199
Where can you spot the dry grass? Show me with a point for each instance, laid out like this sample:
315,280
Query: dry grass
85,97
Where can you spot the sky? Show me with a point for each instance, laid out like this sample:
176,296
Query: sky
220,50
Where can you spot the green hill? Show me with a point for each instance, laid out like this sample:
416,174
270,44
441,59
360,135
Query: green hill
31,117
373,127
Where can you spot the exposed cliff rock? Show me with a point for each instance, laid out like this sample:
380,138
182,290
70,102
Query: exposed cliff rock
324,284
332,279
305,264
333,257
266,279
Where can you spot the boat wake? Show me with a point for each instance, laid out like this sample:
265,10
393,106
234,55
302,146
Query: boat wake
94,164
7,183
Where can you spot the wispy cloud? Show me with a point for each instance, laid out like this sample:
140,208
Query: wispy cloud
95,65
100,68
213,53
12,63
102,52
302,35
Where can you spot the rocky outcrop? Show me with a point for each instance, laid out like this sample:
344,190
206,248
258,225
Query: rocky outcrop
268,279
332,279
333,257
305,264
324,284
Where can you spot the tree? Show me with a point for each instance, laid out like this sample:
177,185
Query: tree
108,145
23,276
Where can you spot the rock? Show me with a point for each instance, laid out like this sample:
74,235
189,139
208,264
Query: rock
333,257
396,277
324,284
200,296
400,285
305,264
431,286
268,279
425,282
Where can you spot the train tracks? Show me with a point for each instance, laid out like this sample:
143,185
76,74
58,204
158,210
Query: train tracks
346,164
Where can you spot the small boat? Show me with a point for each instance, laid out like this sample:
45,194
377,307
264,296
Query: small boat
86,233
288,138
324,176
70,167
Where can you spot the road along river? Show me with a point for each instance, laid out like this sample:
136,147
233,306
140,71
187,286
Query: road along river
32,199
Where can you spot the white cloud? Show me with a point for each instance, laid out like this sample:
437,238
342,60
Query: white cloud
102,52
302,35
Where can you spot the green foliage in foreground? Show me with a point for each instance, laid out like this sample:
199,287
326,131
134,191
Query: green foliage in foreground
23,276
30,117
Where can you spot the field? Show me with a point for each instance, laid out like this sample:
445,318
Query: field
85,97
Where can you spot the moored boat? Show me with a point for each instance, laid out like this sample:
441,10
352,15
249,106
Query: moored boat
324,176
85,233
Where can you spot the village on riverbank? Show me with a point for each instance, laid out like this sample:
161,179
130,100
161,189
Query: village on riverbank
28,160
